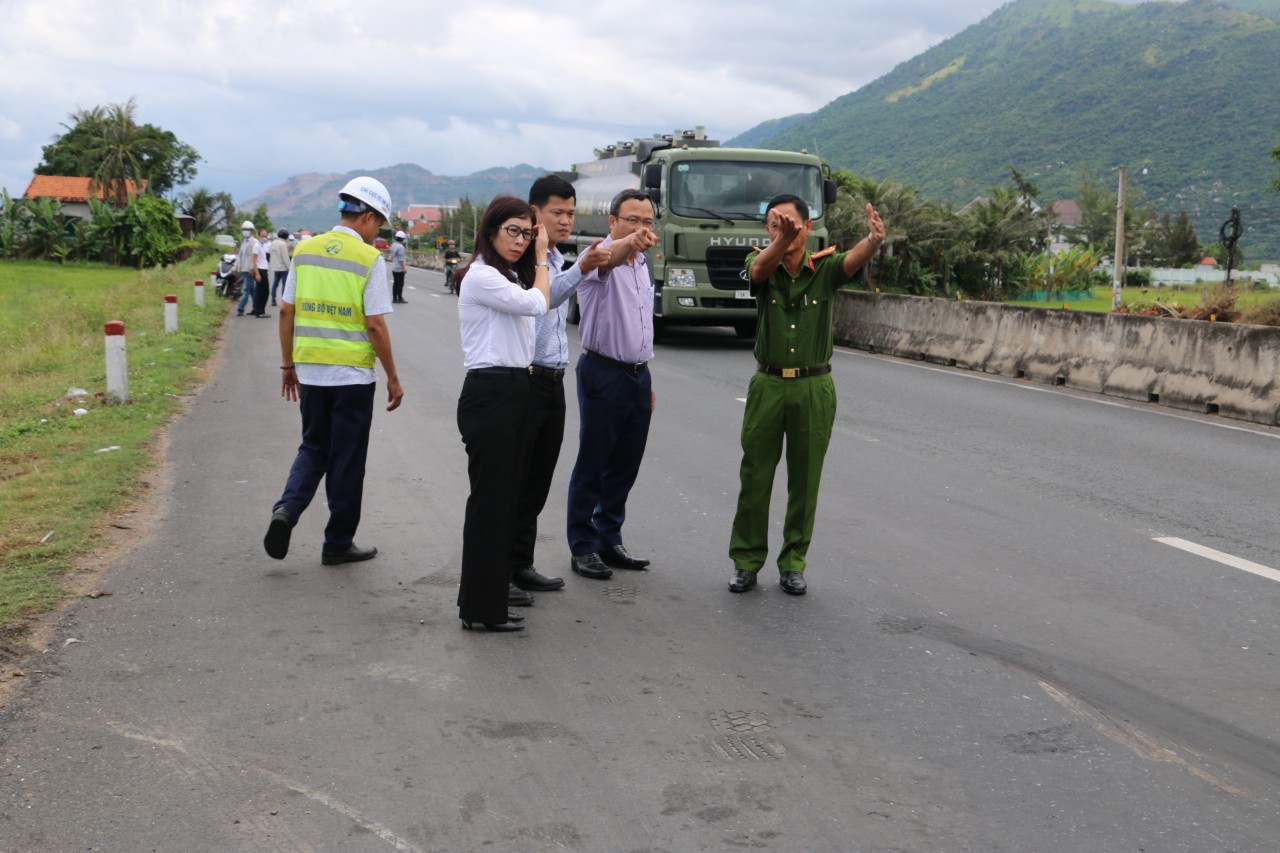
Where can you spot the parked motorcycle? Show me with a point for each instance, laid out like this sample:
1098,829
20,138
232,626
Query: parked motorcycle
225,279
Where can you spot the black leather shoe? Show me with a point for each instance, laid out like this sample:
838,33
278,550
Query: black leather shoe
517,597
793,583
278,532
354,554
590,566
514,617
742,580
530,579
493,626
617,557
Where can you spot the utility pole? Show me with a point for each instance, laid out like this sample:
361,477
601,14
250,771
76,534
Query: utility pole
1117,282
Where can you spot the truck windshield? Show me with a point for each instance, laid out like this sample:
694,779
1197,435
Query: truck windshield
736,189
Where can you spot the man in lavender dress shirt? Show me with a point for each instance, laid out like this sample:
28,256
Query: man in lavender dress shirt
615,394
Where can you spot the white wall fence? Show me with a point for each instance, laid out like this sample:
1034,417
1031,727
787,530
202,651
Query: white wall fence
1163,276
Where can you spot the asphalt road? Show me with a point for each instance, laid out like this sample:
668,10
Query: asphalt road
996,653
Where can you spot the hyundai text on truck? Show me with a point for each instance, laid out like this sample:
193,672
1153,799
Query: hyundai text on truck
709,205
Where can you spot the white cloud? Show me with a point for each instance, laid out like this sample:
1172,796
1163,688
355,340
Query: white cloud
267,90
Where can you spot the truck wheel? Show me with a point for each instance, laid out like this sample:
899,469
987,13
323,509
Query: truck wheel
658,326
745,329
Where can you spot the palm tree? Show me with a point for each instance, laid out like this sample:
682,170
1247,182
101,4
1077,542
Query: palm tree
1003,226
120,148
212,212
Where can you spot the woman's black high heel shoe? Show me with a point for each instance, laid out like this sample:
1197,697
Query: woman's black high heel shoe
493,626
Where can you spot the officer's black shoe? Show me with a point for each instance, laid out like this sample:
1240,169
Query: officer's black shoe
517,597
793,583
742,580
590,566
531,579
353,554
617,557
278,532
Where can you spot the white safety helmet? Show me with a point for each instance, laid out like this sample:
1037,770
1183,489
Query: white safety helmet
400,235
370,192
246,224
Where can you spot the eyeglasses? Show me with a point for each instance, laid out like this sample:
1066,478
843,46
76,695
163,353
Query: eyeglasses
636,220
515,231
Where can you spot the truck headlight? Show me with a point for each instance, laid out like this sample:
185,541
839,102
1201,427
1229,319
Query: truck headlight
681,278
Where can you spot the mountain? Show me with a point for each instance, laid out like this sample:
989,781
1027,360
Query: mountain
765,130
311,200
1183,93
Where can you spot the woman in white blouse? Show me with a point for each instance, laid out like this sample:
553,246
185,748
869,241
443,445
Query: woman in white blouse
503,287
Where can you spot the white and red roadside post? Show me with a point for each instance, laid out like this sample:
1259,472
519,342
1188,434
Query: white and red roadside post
117,362
199,293
171,313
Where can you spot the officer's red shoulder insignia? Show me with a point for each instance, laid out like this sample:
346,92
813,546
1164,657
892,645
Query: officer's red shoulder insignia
830,250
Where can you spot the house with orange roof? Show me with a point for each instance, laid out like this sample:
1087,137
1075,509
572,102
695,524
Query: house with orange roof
74,193
424,218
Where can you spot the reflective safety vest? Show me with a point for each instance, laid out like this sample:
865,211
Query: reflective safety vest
331,271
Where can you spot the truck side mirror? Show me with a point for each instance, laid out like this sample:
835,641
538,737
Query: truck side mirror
653,184
828,192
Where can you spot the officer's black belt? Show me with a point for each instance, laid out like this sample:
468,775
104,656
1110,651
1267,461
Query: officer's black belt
549,372
628,366
793,372
502,371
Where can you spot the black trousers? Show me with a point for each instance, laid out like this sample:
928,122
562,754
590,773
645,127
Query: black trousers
335,442
544,432
491,415
397,286
260,291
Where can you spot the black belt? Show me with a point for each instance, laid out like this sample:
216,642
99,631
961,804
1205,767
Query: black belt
503,371
556,373
629,366
793,372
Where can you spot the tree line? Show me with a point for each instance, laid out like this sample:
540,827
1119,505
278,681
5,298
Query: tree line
999,245
131,167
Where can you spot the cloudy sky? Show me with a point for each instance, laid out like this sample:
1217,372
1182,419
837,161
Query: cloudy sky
267,90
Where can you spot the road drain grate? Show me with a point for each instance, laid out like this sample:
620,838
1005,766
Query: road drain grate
745,735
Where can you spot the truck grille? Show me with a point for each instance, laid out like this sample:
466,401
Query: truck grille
724,267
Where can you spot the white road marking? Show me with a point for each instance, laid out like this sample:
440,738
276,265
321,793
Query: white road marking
1218,556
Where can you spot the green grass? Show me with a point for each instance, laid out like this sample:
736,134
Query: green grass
1182,296
57,491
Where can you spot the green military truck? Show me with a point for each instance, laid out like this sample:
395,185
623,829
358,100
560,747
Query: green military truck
710,204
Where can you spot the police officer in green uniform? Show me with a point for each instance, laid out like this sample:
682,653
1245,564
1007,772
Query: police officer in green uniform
791,395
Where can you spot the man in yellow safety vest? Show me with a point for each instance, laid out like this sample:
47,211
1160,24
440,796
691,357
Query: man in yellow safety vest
332,329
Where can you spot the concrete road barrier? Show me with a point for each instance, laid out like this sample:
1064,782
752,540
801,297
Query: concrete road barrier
1224,368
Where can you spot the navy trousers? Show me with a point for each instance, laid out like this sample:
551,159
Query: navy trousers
335,442
544,430
614,410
